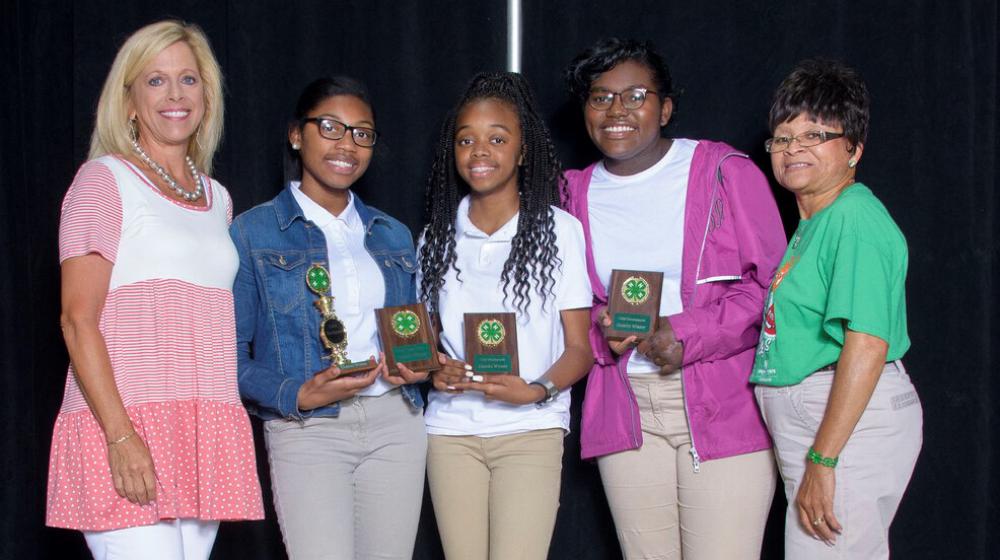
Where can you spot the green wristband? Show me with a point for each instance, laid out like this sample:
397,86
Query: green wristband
815,457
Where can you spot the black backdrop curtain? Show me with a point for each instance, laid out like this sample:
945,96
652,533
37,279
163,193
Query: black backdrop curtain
931,157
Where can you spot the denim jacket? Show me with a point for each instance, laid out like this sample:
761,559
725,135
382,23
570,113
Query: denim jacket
277,326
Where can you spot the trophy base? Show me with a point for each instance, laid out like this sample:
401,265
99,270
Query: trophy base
348,368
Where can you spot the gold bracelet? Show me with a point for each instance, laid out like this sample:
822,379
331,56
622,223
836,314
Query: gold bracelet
122,439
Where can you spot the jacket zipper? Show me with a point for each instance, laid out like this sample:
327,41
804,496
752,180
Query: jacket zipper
695,458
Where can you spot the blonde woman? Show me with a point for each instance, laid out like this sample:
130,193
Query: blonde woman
152,447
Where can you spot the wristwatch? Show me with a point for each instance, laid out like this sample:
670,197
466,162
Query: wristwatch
550,390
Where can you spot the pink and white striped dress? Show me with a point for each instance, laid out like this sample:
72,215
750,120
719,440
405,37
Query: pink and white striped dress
169,328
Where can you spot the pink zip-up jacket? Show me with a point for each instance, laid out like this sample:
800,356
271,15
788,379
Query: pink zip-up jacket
733,242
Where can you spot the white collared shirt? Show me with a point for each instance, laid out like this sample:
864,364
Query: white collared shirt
637,223
540,339
355,280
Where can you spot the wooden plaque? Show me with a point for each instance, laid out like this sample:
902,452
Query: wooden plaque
633,303
408,337
491,342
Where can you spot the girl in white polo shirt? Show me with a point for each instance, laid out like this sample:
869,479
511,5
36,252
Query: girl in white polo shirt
496,241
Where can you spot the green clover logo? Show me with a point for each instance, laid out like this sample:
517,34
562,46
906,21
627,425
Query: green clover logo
318,279
490,332
405,323
635,290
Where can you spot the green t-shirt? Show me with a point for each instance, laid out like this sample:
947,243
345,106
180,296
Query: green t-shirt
844,268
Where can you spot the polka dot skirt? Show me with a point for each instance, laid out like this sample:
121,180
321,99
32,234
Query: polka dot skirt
202,452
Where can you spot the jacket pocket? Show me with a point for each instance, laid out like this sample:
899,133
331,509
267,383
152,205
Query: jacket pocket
284,275
406,262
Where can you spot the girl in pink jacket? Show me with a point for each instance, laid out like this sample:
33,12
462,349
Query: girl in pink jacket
684,456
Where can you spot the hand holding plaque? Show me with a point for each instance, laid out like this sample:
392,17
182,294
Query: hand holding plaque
491,342
633,304
407,337
332,332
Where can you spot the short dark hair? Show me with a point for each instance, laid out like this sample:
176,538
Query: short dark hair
312,95
322,89
608,53
826,90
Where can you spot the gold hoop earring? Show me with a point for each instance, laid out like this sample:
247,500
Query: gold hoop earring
197,139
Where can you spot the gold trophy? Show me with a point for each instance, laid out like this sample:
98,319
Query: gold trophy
332,332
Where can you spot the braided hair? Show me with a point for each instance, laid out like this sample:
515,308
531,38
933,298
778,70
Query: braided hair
533,254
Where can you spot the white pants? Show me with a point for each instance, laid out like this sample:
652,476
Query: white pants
177,539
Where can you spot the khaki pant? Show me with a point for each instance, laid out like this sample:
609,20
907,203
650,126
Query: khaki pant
663,509
349,487
874,467
496,498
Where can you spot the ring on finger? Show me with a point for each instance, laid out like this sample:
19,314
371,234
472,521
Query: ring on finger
818,521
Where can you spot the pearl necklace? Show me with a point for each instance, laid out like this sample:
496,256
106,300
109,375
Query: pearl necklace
186,195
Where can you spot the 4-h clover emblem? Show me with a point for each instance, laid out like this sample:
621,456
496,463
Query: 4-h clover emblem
490,332
635,290
318,279
405,323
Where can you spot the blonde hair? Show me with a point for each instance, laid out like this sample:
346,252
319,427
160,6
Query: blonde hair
111,127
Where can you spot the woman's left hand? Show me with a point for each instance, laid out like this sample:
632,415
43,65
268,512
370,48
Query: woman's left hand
503,387
815,503
663,349
406,375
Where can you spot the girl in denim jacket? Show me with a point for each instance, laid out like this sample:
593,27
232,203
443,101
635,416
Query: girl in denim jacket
346,452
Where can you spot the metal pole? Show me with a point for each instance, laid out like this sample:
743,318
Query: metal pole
514,35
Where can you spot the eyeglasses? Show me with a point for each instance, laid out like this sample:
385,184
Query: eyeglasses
632,98
332,129
806,140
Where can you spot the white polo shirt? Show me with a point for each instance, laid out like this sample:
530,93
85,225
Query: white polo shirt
637,223
351,266
540,341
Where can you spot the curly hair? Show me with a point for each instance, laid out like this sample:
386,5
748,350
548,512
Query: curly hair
608,53
533,254
826,90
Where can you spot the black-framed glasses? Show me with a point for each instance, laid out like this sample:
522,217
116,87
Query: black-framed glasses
332,129
805,139
632,98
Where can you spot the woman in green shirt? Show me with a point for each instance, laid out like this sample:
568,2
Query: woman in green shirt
845,419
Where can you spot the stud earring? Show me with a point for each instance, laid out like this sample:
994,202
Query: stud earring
851,163
295,146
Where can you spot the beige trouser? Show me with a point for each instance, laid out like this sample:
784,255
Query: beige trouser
663,509
496,498
350,487
874,467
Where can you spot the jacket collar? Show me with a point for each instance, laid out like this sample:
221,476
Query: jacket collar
287,210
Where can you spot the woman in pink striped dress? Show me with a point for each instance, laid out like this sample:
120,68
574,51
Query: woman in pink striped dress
152,447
